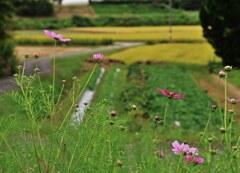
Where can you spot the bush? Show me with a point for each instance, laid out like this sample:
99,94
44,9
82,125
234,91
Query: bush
131,21
33,7
29,23
7,60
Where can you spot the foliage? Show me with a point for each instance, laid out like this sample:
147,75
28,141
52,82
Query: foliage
221,27
33,7
50,23
7,59
135,20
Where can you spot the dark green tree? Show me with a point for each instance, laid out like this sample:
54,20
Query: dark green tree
220,20
7,59
33,8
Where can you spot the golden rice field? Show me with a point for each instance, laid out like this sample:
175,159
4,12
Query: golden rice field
194,53
159,33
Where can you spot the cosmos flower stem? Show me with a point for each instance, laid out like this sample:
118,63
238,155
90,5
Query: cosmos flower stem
165,113
54,73
225,108
68,113
90,76
180,160
230,126
205,130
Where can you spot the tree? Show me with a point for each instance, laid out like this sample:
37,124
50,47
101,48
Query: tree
221,27
7,60
33,8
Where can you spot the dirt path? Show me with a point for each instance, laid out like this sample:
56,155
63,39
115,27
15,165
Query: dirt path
46,68
215,89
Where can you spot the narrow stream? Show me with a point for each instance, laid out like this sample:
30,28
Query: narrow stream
86,100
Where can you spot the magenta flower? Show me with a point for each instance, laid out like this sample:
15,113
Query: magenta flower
233,101
179,148
56,36
170,94
98,56
193,159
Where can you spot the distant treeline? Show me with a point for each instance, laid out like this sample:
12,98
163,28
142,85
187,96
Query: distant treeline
184,4
33,8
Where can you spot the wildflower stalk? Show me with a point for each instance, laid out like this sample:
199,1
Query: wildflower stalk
165,113
225,108
31,116
68,113
83,89
205,130
54,75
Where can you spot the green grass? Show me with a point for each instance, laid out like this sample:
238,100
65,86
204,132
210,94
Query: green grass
142,10
197,53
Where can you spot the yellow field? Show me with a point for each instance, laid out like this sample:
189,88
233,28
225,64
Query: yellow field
194,53
136,29
185,33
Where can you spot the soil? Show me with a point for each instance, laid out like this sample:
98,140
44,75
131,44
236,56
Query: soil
215,89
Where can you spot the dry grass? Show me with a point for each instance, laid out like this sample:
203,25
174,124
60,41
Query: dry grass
194,53
150,29
43,51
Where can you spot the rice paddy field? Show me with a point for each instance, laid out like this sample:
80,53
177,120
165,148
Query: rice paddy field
130,34
174,52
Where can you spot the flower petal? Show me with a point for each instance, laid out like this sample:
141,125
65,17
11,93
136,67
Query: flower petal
163,92
48,33
65,40
198,160
59,36
176,144
178,96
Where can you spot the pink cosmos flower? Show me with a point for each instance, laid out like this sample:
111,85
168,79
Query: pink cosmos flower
98,56
170,94
192,159
179,148
233,101
56,36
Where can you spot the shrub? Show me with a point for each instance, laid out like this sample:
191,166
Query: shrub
52,23
33,7
7,61
131,21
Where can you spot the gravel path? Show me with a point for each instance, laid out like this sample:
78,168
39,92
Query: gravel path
44,63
